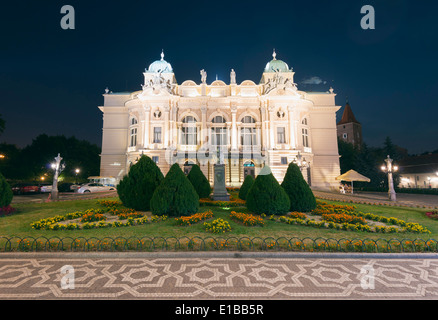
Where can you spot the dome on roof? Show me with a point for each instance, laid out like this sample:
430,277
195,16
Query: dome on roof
161,66
276,65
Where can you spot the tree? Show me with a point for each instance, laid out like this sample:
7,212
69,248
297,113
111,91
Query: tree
175,196
246,185
5,192
2,125
199,182
300,195
135,190
266,195
34,160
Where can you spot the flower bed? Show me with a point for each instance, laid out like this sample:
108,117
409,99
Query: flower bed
432,214
194,218
343,218
296,215
217,226
94,218
247,219
234,202
7,211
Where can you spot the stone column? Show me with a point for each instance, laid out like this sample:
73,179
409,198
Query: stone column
292,137
175,141
147,114
264,141
204,125
233,127
271,128
166,127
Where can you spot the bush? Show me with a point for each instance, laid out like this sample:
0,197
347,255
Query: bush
246,185
5,192
300,195
135,190
266,195
199,182
175,196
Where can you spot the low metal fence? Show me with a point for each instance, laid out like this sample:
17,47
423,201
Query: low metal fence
82,244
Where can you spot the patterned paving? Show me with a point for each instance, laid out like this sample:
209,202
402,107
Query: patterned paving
217,278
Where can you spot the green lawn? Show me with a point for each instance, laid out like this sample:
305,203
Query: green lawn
18,224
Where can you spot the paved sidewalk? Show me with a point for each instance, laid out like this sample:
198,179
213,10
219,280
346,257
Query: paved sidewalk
403,199
191,276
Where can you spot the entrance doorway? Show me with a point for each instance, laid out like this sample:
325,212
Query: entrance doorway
248,169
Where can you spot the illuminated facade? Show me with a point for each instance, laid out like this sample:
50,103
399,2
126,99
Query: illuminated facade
243,126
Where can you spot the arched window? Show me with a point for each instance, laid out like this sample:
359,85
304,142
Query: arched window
218,131
248,131
134,121
248,119
189,131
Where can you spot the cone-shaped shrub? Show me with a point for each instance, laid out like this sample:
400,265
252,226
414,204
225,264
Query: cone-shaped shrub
175,196
300,195
135,190
5,192
246,185
266,195
199,182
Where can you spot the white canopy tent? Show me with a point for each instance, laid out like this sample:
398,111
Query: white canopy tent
351,176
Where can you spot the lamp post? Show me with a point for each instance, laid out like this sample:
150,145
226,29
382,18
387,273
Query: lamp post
58,168
77,170
389,169
301,162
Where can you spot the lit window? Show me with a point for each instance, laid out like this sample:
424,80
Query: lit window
157,134
305,138
248,119
218,131
133,140
248,132
281,135
305,133
189,131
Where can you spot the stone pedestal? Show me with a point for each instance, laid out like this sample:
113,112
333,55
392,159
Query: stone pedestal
219,191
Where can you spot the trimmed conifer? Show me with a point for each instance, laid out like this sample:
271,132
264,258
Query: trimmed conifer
5,192
266,195
199,182
246,185
300,195
175,196
135,190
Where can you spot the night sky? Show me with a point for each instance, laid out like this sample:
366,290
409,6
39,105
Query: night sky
52,80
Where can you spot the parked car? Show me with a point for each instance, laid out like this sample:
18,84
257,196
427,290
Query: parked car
46,188
68,187
94,187
17,188
25,188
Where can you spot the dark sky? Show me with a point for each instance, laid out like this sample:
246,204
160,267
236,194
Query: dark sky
52,80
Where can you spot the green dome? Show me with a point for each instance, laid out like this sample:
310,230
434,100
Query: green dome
276,65
160,66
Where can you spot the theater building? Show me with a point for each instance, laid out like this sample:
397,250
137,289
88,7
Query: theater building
243,125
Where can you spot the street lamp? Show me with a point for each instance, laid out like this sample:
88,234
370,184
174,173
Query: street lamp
58,167
389,169
301,162
76,175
